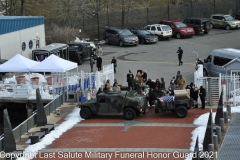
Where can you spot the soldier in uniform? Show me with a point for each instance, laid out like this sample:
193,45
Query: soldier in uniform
130,78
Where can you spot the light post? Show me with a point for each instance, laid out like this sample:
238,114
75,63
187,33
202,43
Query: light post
98,27
196,60
37,39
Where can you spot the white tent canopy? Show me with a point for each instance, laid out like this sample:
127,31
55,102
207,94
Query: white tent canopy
54,63
18,63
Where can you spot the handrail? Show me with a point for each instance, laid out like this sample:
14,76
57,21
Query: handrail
30,122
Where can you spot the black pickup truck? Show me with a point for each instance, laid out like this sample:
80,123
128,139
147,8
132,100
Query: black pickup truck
78,51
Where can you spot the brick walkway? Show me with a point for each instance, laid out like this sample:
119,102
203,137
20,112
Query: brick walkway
150,136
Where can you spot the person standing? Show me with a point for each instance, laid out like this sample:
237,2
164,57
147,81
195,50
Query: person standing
195,95
130,78
202,95
162,84
180,52
158,84
144,76
172,83
99,51
181,82
92,62
114,61
177,76
99,63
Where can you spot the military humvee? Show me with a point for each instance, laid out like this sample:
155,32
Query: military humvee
114,102
180,105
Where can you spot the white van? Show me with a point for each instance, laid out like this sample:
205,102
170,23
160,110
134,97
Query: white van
218,58
160,30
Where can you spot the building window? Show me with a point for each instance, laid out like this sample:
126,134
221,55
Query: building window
23,46
30,44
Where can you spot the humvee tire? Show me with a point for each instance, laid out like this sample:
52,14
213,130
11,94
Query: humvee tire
181,111
85,113
129,113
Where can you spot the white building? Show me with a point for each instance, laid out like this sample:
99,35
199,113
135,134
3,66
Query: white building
21,34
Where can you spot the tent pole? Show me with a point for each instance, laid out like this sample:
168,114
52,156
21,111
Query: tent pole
67,84
52,84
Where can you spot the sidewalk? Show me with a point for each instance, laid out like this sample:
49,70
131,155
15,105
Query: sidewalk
157,133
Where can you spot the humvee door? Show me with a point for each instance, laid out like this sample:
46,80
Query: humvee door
110,103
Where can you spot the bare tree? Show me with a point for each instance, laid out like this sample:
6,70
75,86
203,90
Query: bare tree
8,7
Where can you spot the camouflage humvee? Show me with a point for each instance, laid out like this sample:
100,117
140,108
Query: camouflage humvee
179,107
114,102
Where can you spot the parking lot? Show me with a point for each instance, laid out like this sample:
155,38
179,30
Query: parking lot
160,59
161,133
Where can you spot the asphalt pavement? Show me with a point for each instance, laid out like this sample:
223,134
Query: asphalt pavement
160,59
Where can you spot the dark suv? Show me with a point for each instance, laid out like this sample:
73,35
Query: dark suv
119,36
236,15
79,51
200,25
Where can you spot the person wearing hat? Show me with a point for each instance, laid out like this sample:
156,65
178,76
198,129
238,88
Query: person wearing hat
130,78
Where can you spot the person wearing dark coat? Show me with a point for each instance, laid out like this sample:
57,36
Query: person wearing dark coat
180,53
130,78
115,84
99,63
177,76
195,95
99,91
144,76
158,84
162,84
148,82
202,95
114,61
153,95
92,62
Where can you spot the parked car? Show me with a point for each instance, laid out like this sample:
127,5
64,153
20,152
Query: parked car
145,36
179,29
79,51
236,15
200,25
119,36
223,21
162,31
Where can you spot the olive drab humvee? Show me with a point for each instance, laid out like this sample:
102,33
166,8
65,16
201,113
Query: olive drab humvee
114,102
180,105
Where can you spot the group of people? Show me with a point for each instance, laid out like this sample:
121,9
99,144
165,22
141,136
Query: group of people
157,87
98,59
141,77
195,93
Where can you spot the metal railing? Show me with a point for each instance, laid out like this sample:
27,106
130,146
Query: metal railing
29,123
